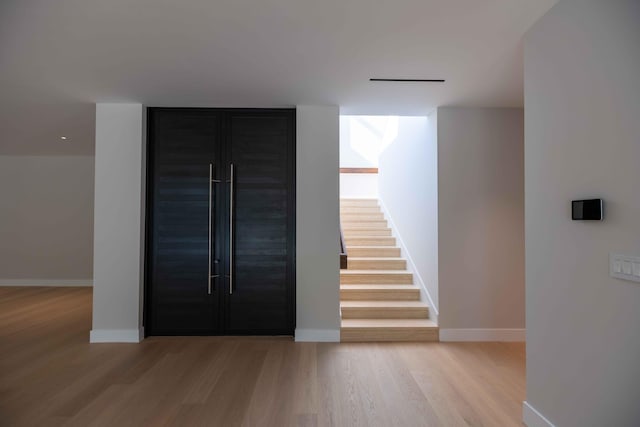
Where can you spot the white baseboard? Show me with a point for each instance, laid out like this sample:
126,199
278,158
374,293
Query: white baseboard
46,282
116,335
433,310
532,418
480,335
317,335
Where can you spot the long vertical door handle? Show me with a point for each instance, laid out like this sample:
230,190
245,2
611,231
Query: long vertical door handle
231,231
209,232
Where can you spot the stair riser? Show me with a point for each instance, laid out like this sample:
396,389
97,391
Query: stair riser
385,313
348,233
356,251
359,203
396,264
360,210
375,278
370,241
388,334
355,217
381,295
370,225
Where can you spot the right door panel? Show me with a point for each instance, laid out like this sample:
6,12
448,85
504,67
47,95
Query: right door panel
260,297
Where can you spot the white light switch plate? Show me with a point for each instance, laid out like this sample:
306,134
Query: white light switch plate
624,267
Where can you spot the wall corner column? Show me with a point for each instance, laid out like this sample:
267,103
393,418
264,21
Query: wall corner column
119,223
317,224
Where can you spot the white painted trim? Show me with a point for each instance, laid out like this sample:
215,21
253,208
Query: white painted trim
411,266
317,335
116,335
46,282
532,418
480,335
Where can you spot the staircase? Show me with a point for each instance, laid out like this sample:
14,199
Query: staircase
378,299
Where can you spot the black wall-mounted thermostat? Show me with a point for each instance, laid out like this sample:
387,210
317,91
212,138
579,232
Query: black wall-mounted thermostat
587,210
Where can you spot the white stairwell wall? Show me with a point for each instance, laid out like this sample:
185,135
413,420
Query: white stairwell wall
481,224
451,187
408,193
358,186
355,185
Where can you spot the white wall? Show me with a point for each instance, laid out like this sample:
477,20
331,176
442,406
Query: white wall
317,219
481,223
46,220
582,113
408,182
118,223
359,185
349,157
355,134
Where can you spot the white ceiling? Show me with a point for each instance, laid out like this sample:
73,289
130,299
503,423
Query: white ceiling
59,57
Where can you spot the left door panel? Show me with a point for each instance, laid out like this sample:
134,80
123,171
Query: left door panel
184,148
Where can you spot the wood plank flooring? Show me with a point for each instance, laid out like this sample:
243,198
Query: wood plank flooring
51,376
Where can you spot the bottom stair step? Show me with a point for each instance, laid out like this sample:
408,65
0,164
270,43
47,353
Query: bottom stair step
372,330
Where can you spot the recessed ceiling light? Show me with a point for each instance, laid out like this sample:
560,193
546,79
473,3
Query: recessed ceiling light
63,138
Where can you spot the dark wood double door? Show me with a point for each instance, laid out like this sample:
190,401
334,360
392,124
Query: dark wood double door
220,222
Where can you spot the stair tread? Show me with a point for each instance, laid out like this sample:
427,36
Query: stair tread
374,251
376,223
381,287
364,225
372,247
369,228
354,233
376,258
350,240
388,323
370,237
378,285
383,303
353,238
377,272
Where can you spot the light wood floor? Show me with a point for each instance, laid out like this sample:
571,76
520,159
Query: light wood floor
50,375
